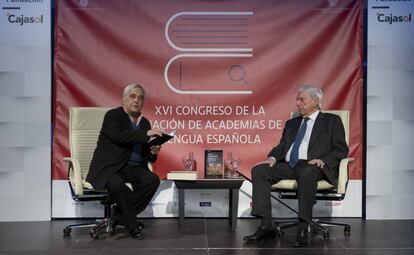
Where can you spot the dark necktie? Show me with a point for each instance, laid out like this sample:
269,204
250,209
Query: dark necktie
294,154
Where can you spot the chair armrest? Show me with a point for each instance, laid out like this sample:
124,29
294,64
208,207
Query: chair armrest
343,175
74,175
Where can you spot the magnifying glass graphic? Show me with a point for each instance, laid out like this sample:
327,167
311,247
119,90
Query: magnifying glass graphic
237,73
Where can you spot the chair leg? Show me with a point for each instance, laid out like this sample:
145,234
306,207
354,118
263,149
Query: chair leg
95,227
103,224
321,227
347,227
94,232
281,225
68,228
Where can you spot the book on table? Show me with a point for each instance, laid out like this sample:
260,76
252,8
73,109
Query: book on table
162,139
213,164
182,175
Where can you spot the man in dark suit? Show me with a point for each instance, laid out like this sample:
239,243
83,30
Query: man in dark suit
122,156
311,147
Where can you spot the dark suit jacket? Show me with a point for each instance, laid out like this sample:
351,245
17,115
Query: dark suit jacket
327,142
114,146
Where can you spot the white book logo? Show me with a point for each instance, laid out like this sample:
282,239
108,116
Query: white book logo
204,35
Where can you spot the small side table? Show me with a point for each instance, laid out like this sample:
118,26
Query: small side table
233,185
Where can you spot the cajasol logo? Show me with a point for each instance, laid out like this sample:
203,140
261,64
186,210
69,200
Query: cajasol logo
22,19
390,18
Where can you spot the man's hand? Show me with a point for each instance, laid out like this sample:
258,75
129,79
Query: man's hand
317,162
155,149
155,132
270,161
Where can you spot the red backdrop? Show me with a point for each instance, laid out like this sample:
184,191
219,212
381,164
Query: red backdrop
257,52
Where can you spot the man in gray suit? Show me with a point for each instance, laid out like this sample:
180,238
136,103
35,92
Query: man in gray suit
311,147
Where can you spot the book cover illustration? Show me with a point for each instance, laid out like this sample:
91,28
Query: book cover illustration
214,164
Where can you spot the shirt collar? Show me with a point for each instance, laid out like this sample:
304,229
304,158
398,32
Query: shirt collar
314,115
132,119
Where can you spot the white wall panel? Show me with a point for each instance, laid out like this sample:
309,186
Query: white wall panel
390,115
12,59
12,109
34,83
402,108
380,57
379,158
34,160
379,206
403,82
380,102
380,80
379,133
12,134
403,158
25,107
381,177
12,185
402,206
402,182
11,84
11,159
402,133
34,107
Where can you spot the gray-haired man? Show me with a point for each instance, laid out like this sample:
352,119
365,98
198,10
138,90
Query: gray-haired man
122,155
311,147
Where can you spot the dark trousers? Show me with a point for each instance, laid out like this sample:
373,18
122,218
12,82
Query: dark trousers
264,176
129,203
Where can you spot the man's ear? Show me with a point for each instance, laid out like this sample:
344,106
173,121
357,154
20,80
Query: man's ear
316,102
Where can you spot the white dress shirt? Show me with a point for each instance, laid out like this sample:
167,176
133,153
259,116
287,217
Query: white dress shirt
303,147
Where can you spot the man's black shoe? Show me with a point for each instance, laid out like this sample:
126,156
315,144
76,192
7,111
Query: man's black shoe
137,233
140,225
260,234
115,220
301,238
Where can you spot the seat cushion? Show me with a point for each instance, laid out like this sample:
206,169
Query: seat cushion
89,186
293,185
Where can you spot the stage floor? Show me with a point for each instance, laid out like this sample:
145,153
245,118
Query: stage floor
204,236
